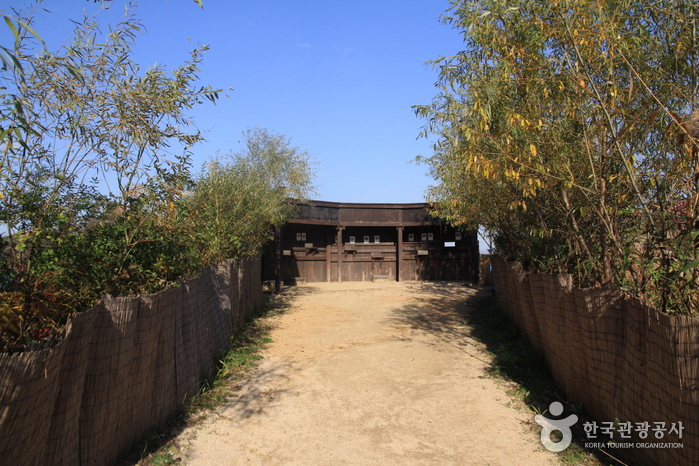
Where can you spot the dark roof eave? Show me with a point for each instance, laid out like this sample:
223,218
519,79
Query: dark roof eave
361,224
358,205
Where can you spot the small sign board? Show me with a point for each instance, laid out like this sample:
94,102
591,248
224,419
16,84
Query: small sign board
450,244
308,245
286,252
422,252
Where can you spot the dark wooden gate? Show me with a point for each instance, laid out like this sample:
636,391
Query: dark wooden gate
329,241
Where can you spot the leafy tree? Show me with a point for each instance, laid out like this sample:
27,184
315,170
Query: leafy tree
568,128
88,151
96,191
238,198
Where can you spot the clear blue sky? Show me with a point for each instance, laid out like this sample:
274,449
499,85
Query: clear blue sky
337,77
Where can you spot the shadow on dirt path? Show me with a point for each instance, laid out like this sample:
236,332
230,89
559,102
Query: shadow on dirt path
370,374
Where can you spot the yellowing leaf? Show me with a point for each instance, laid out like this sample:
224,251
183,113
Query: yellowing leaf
532,149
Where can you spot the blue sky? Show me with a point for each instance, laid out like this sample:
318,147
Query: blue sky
337,77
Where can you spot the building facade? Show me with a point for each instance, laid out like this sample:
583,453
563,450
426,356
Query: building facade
336,242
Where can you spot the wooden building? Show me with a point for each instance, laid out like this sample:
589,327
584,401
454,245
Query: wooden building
331,241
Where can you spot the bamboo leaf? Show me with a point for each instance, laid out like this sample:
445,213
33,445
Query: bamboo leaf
532,149
31,31
12,28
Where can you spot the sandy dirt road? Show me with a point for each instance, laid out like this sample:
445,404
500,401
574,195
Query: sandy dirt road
369,374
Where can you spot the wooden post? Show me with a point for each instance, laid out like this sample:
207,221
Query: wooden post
339,254
399,255
278,259
328,257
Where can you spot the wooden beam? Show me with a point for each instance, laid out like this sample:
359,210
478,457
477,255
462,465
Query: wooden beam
361,224
328,257
278,258
339,253
399,254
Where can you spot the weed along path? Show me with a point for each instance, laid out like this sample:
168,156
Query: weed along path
369,374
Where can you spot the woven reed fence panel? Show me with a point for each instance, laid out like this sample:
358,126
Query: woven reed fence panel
124,367
619,358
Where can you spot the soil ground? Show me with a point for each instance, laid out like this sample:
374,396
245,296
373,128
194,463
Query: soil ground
369,374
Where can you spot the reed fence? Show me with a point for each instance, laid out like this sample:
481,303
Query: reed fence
623,360
123,368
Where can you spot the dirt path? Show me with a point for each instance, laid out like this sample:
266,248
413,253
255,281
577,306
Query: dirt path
369,374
